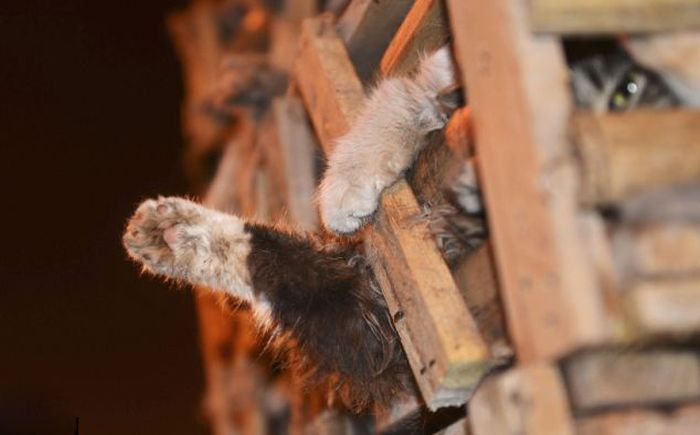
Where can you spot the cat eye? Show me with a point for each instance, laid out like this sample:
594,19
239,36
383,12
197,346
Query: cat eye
629,87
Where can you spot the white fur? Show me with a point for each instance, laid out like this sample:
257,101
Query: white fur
183,240
383,142
466,188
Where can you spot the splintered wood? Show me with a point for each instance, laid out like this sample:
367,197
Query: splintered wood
443,345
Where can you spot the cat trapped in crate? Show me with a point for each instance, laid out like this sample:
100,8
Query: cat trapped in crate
318,289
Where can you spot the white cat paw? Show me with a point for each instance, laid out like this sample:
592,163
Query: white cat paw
156,234
347,204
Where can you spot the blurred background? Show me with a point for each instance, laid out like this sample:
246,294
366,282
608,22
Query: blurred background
91,95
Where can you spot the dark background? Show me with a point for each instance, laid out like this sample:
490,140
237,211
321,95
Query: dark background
89,125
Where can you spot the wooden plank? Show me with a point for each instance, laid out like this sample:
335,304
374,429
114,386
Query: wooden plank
657,250
438,333
476,279
297,147
663,307
678,203
614,16
194,34
424,30
623,154
527,400
367,27
607,378
520,101
680,421
329,86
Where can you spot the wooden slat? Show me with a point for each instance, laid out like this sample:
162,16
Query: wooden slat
600,379
476,278
296,149
658,250
439,336
680,421
678,203
367,27
663,307
623,154
424,30
614,16
331,90
528,400
519,96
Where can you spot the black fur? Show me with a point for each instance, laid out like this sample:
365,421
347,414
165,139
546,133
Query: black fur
324,295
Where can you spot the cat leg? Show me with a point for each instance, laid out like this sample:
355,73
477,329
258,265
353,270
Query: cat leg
383,142
320,293
180,239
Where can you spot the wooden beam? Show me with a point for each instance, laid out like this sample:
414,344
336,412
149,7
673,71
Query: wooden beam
623,154
663,307
424,30
520,101
527,400
367,27
607,378
680,421
657,250
614,16
296,148
329,86
438,333
476,279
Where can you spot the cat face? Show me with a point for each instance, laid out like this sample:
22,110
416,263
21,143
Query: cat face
615,83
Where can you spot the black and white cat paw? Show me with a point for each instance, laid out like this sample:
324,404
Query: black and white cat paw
347,204
155,234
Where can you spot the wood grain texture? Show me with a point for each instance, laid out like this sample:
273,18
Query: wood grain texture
326,78
624,154
684,420
614,16
443,345
424,30
367,27
657,249
520,102
527,400
296,149
601,379
663,307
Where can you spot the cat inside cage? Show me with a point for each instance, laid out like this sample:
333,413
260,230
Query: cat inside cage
317,288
